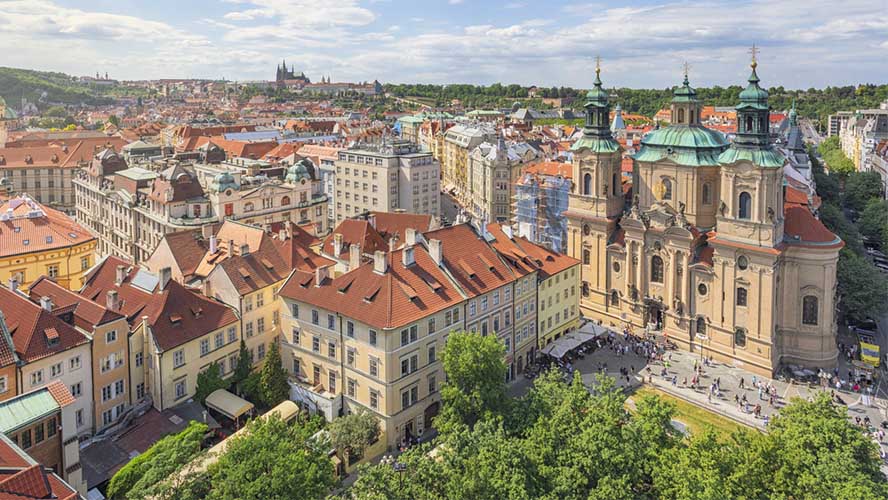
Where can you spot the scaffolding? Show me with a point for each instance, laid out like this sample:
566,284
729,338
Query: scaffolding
539,205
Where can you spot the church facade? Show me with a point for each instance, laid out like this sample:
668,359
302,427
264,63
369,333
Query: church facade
708,254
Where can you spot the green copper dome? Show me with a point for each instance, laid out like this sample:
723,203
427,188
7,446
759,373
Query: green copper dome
596,136
223,182
596,96
685,93
694,146
753,96
298,172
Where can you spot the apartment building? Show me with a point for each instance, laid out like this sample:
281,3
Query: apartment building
40,440
49,349
356,239
107,329
386,177
493,170
459,141
36,240
174,332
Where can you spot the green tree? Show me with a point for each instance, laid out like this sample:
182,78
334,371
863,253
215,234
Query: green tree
272,459
352,433
55,112
114,120
862,289
861,187
273,377
158,462
476,374
244,364
873,222
208,381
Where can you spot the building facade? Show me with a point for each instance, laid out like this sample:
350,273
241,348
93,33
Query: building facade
459,142
493,170
708,254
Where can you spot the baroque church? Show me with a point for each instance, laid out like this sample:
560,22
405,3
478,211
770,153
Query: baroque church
710,253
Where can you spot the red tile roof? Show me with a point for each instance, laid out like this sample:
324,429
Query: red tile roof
355,231
400,296
296,249
545,261
87,313
28,324
188,248
21,478
795,196
395,224
27,226
30,482
552,168
102,278
59,391
473,263
802,228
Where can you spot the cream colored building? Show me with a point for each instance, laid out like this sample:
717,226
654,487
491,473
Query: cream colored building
459,142
386,178
493,170
709,254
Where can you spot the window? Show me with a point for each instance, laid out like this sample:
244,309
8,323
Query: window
741,296
372,337
84,263
232,335
219,339
248,303
472,308
707,193
38,434
331,322
180,389
702,289
809,310
260,351
409,397
248,329
433,384
37,377
350,329
140,358
374,367
178,358
433,355
296,335
701,325
294,310
740,337
4,384
432,328
52,271
55,370
656,269
615,299
351,387
374,400
331,379
260,325
204,347
51,427
667,189
745,208
26,439
409,335
587,257
315,317
118,388
350,356
587,184
106,393
260,299
331,349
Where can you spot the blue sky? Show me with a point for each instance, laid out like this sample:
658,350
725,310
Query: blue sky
643,43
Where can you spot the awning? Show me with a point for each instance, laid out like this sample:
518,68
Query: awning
228,404
560,347
592,329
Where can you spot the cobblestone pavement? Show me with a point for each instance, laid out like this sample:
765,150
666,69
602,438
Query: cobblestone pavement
681,367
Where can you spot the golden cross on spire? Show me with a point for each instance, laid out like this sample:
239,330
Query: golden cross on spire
754,51
687,68
597,64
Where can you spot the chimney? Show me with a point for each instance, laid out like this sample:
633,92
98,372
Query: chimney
354,256
321,273
13,285
410,235
379,263
206,230
245,249
111,300
207,288
508,230
214,245
436,250
121,275
230,248
282,235
372,220
407,256
337,244
165,274
46,303
392,244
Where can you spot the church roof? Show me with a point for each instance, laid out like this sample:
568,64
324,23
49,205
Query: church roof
686,145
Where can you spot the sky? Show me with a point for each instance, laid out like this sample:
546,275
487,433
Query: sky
642,43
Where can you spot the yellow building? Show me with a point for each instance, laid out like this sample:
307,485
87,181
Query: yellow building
39,241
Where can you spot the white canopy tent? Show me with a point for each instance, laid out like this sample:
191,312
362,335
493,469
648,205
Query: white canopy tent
228,404
572,340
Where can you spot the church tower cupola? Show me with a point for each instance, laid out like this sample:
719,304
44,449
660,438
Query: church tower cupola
685,106
753,111
596,132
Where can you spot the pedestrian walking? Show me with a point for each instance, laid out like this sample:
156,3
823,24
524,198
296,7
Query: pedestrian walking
741,382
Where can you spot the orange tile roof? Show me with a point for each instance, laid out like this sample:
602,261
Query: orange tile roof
804,229
395,224
463,250
552,168
23,479
526,256
31,327
59,391
87,313
355,231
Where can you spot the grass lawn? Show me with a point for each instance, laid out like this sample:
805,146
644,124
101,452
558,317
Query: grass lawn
694,417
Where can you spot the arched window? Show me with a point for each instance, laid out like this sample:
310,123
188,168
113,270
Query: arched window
701,325
681,115
740,337
587,184
285,201
810,308
616,184
615,298
667,189
707,193
745,209
585,289
248,207
748,124
656,269
587,257
741,296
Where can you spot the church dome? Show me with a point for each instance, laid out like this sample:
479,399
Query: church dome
685,145
303,169
223,182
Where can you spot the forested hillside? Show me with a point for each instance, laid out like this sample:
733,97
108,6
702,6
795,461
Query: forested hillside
45,88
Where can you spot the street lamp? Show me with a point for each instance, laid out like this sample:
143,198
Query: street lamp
400,468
